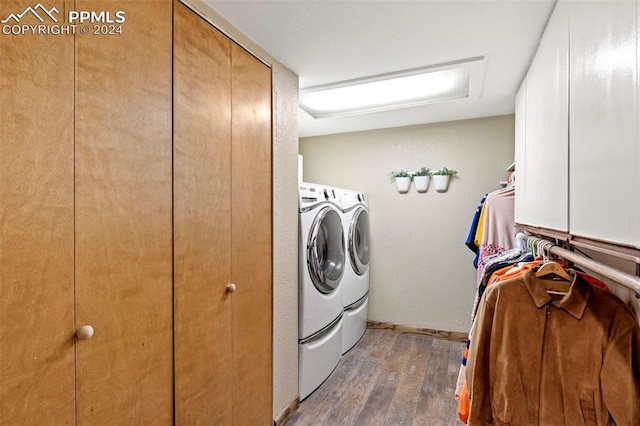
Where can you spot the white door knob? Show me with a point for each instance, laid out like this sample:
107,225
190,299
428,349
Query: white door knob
85,332
231,288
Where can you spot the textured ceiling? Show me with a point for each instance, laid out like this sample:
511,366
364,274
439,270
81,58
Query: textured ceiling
329,41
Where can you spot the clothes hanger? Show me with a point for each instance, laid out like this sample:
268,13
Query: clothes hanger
540,249
531,244
552,268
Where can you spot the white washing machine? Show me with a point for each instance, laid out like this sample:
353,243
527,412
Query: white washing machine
355,282
322,264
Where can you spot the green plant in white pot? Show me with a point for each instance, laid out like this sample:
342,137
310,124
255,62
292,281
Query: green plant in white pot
402,180
421,179
441,178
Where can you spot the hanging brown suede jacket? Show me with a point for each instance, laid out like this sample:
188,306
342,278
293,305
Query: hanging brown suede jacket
536,359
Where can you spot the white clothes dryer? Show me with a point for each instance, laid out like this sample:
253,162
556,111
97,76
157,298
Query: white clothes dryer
322,258
322,264
355,222
355,282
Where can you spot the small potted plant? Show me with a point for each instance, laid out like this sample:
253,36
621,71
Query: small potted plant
421,179
402,180
441,178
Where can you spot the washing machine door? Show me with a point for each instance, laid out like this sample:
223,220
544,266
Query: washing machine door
325,250
359,241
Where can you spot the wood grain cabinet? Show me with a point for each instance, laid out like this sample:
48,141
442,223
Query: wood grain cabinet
132,196
85,227
222,169
37,306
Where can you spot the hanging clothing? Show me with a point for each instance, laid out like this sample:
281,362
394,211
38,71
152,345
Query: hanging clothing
470,242
515,266
477,238
498,229
539,359
510,272
493,265
515,269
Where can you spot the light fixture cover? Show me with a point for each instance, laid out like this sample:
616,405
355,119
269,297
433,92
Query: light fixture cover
390,91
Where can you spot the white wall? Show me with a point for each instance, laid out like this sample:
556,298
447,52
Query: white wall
285,219
421,272
285,239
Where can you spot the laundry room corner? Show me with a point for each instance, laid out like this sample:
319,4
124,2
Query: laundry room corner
422,274
319,213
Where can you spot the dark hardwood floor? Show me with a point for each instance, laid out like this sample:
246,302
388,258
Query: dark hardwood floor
388,378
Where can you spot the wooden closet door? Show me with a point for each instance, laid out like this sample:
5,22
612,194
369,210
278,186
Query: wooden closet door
251,251
36,225
124,217
202,223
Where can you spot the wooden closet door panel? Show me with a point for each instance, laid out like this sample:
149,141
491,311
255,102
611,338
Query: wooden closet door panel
124,216
252,239
202,221
36,224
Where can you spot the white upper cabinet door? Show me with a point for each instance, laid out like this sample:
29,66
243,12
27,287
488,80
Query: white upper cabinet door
604,149
521,165
546,150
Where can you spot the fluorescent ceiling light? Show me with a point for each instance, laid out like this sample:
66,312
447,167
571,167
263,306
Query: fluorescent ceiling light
389,91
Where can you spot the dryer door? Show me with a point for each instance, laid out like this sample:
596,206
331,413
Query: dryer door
325,248
359,241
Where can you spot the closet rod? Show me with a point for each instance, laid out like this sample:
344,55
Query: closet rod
627,280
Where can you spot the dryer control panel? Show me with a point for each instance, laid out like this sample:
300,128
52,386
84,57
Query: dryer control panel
311,194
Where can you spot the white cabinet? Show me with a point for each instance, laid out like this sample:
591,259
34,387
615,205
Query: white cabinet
604,149
577,117
520,214
542,165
